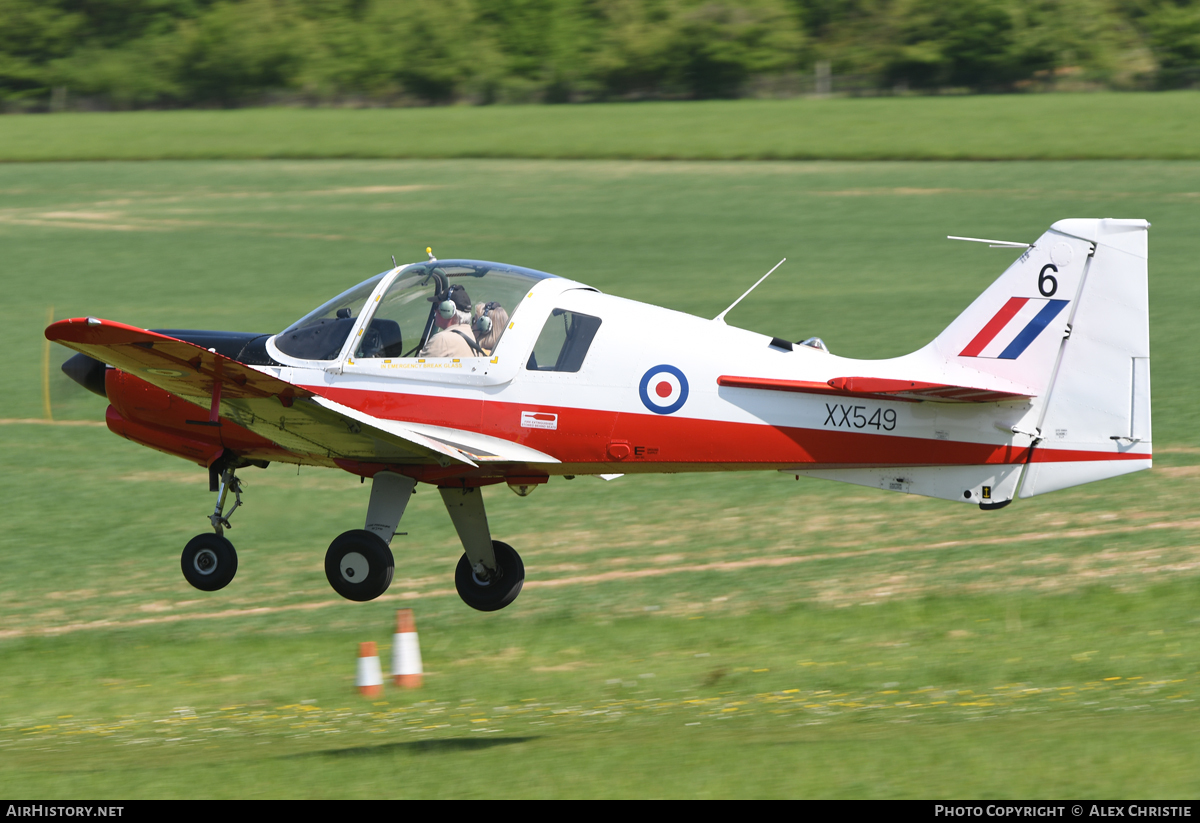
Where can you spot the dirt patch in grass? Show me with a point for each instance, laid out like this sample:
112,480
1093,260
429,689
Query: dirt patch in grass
36,422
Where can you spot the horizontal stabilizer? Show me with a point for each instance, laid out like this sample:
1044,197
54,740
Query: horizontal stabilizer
877,387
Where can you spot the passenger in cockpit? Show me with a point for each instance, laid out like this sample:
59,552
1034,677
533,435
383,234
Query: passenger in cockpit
488,321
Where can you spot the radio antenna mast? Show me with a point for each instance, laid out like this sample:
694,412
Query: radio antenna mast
720,318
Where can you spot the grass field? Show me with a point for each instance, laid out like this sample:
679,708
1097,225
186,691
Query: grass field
691,636
1100,126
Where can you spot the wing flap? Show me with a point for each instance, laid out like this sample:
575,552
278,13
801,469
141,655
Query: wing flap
390,428
877,387
483,448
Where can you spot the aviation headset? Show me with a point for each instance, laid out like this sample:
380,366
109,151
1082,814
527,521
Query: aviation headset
448,306
483,323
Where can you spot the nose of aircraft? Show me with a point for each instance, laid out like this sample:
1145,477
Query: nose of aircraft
87,372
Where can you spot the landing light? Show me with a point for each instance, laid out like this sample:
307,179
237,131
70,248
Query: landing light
522,486
522,489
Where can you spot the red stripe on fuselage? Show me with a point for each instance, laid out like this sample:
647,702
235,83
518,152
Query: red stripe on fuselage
583,436
994,326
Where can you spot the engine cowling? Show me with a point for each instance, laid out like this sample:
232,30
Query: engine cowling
155,418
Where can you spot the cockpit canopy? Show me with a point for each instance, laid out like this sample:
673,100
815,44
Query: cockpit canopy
403,306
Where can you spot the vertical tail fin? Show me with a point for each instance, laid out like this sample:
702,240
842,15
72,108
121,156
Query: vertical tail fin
1069,320
1014,330
1095,415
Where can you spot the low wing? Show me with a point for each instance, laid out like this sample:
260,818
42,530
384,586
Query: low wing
876,387
319,427
480,448
291,416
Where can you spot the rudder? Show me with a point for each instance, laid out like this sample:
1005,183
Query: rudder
1098,401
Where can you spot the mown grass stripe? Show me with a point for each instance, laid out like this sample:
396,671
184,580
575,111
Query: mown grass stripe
1102,126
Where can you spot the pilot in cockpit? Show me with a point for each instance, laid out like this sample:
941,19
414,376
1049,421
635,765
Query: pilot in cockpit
452,314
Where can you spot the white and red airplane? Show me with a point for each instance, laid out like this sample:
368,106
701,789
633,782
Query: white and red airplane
464,374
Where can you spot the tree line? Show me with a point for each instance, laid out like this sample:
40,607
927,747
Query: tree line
173,53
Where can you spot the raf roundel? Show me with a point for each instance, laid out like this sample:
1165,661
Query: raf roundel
663,389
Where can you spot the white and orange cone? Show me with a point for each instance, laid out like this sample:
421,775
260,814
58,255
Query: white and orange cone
406,651
370,678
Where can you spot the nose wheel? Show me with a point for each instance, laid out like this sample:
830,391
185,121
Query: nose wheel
209,562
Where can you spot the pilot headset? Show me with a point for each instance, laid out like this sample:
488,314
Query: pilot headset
483,323
448,307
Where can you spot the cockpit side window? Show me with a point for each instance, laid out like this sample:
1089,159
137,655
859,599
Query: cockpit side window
564,342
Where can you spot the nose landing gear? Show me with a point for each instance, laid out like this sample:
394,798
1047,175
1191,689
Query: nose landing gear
209,561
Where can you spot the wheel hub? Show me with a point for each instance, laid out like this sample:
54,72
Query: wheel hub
483,576
489,590
355,567
206,561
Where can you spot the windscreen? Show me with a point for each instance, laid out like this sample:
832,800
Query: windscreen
321,334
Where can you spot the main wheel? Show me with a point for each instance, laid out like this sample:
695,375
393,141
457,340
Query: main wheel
359,565
209,562
496,593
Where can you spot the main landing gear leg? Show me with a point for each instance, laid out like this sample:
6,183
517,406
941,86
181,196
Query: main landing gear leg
490,573
359,565
209,561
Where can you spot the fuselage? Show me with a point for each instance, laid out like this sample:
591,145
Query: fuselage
466,373
646,397
596,383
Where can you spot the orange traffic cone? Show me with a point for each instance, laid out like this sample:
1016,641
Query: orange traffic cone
406,651
370,678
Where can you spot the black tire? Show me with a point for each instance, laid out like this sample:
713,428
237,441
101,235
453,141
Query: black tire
209,562
495,594
359,565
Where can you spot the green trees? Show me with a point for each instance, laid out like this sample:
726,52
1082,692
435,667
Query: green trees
691,48
1174,35
235,52
961,43
33,36
999,45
